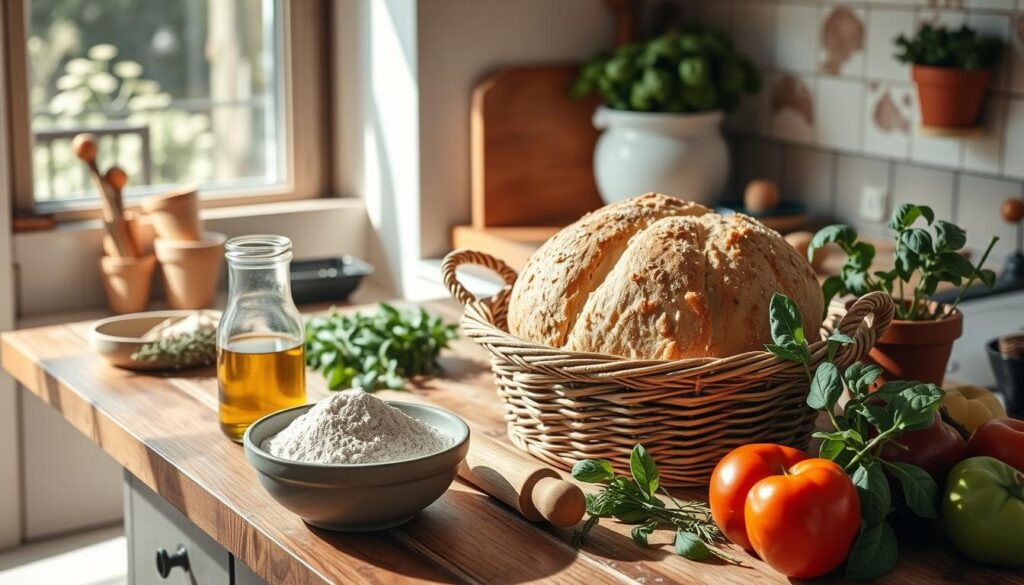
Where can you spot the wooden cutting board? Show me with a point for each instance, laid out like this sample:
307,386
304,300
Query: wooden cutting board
532,149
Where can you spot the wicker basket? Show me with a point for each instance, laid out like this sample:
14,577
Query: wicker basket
563,406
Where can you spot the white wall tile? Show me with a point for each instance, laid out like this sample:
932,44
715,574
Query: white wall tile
842,37
979,200
984,153
839,113
1013,155
924,186
942,16
753,30
796,37
1015,53
884,25
807,177
990,4
997,25
935,150
792,108
888,120
853,174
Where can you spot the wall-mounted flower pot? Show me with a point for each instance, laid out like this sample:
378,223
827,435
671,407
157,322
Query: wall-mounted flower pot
175,215
950,98
191,269
127,282
675,154
917,350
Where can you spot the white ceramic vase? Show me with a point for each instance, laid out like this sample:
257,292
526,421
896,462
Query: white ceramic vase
676,154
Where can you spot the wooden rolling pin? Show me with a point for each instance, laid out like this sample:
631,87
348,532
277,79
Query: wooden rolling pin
532,488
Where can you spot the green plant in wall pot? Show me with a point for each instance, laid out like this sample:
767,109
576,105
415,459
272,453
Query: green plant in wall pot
952,70
928,253
664,101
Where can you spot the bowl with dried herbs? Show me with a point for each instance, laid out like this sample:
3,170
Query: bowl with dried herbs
158,340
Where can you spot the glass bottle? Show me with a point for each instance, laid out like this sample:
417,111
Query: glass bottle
260,341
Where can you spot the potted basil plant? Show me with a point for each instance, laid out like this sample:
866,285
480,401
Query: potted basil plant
664,101
952,70
919,340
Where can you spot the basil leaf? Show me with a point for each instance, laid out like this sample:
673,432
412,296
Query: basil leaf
873,489
955,265
905,215
873,554
914,408
918,240
859,377
949,236
785,320
826,387
845,436
832,287
878,416
791,353
688,545
919,489
887,391
838,234
644,470
830,449
641,532
593,471
988,277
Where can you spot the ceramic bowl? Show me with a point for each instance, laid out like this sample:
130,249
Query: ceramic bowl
364,497
117,338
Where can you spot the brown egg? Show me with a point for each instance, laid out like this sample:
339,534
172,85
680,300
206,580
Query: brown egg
1013,210
84,146
761,195
117,178
801,241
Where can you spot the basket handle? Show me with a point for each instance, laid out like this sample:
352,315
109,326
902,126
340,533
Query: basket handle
457,258
877,305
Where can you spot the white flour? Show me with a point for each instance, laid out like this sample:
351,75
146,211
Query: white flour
355,427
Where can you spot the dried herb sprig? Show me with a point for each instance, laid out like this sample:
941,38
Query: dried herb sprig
634,500
195,348
376,350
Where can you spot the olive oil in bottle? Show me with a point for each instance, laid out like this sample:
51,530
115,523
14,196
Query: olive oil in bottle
259,373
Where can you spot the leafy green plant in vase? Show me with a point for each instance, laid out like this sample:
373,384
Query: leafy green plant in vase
664,101
952,70
919,340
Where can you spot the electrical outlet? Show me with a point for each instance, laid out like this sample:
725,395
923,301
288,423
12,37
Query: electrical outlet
872,203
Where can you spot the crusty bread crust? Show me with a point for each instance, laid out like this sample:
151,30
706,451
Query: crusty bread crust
656,277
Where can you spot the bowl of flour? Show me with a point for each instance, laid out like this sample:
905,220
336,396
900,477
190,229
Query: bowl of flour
353,462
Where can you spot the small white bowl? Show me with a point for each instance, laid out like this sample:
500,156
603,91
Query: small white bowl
117,338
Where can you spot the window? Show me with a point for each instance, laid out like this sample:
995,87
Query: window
183,92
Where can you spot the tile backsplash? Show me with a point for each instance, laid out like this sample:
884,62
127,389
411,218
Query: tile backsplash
838,113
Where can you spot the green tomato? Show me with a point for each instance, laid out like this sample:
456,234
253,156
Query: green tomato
983,511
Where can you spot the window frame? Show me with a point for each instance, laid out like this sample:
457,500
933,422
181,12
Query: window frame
305,47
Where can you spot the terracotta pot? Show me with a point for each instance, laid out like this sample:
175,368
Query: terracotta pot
917,350
191,269
127,282
175,215
134,222
950,98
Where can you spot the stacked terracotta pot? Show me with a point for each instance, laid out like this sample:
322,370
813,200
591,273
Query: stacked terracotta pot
190,259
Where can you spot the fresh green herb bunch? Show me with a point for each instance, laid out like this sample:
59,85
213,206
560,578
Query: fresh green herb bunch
633,500
377,350
697,70
938,46
196,348
932,256
868,422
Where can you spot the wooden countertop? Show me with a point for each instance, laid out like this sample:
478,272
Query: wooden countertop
164,430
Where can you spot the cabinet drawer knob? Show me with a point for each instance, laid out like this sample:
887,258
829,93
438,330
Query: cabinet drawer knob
165,561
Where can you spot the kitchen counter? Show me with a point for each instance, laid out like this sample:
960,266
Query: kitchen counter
163,430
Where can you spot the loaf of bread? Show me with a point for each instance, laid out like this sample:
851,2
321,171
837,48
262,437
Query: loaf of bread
656,277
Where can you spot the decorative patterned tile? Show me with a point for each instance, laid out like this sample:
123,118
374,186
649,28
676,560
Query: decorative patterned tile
884,25
839,113
924,186
753,30
807,177
792,108
853,175
888,119
1013,154
978,202
984,153
796,37
842,39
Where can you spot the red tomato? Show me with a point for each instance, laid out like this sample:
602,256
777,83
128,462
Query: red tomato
800,515
736,474
935,449
1001,438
